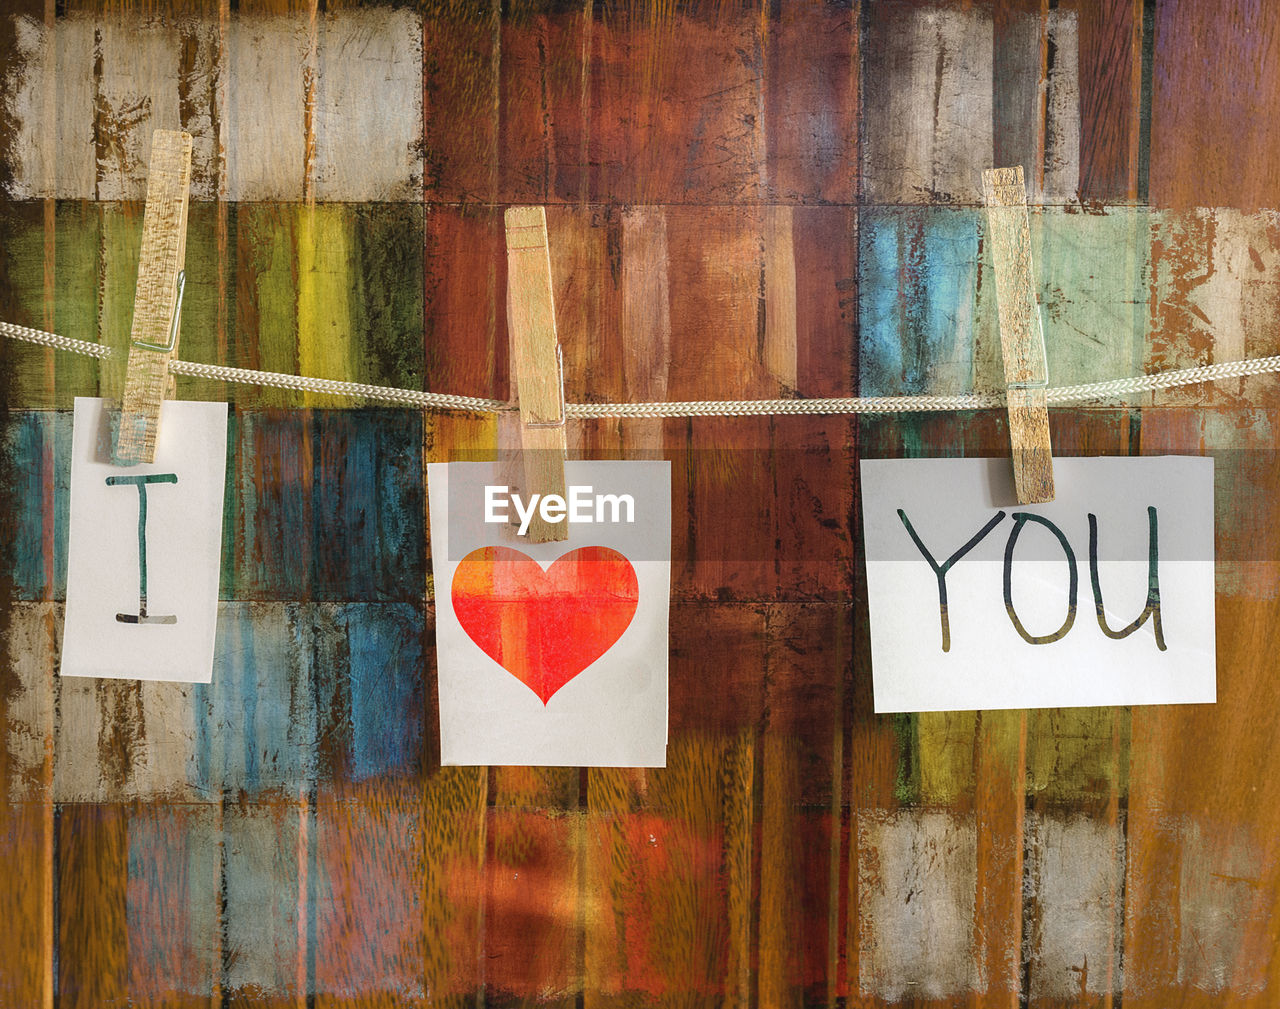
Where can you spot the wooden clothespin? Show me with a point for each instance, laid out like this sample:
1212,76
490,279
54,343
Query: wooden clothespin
157,303
539,368
1026,370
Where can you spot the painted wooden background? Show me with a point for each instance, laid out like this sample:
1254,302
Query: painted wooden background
745,199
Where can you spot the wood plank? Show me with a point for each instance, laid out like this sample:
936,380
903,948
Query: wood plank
266,323
171,908
1036,96
919,298
208,303
778,283
825,244
365,897
461,74
26,968
368,128
263,937
626,355
1110,59
675,95
532,886
705,938
799,771
67,304
465,320
810,103
92,874
452,914
589,298
1212,299
544,130
249,140
125,121
916,952
327,347
1075,867
928,108
1210,133
51,65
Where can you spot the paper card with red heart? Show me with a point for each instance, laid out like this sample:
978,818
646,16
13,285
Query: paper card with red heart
552,653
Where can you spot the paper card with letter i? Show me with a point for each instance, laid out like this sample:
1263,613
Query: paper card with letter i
552,653
144,547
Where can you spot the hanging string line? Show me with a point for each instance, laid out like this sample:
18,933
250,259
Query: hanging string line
692,408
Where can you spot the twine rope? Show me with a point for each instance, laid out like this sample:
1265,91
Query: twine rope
1055,395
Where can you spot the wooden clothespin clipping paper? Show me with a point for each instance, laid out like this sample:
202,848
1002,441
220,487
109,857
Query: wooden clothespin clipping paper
539,373
1021,335
158,301
551,641
145,533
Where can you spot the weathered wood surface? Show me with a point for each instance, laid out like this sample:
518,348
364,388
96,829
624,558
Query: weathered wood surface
285,836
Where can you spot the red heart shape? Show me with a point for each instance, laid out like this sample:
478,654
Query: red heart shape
545,627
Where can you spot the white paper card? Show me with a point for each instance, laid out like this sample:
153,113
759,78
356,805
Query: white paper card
1002,631
553,653
144,548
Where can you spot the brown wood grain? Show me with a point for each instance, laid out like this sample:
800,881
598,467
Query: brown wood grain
545,123
626,355
371,946
1110,104
799,838
171,915
93,872
667,79
461,85
811,63
453,841
1209,123
531,885
1019,80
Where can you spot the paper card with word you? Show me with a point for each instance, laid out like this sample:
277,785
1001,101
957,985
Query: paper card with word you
144,547
552,653
1103,596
